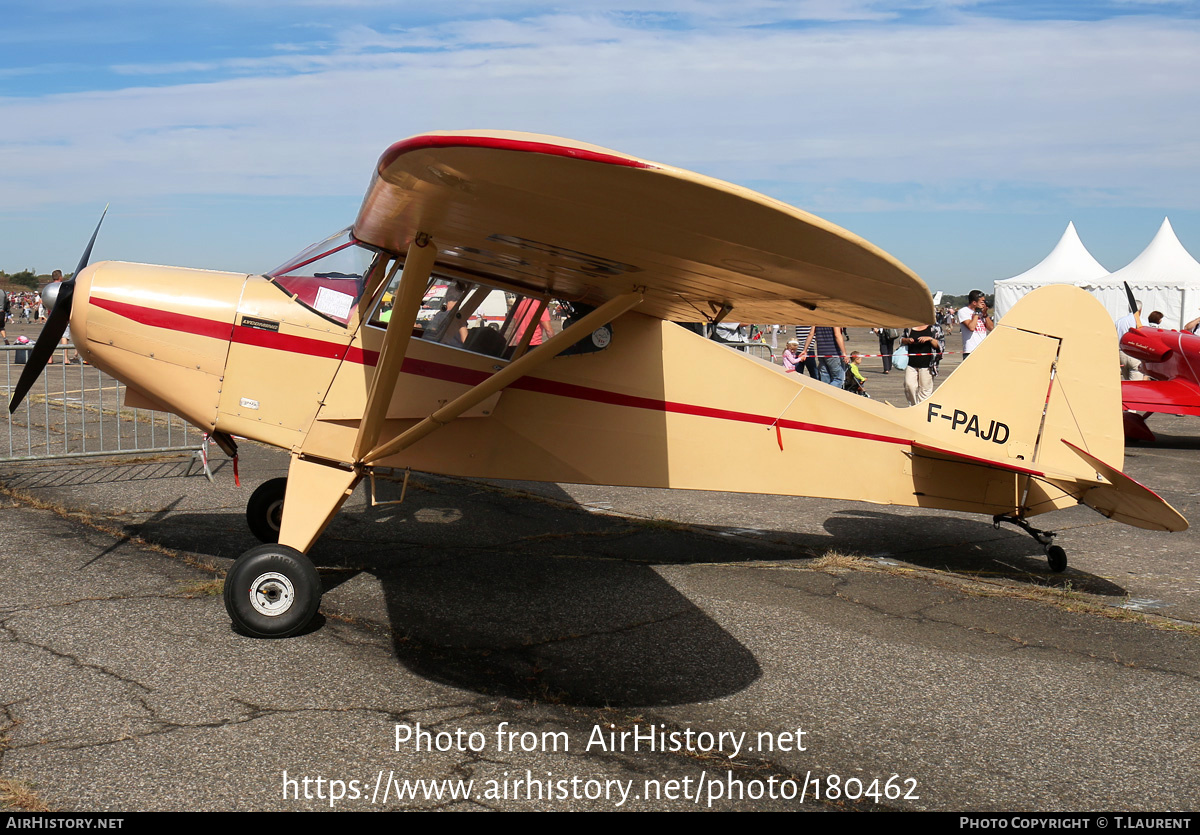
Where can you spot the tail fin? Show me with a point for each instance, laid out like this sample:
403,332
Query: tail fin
1041,397
1046,374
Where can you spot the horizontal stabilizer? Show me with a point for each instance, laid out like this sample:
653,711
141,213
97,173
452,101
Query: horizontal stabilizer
1174,397
1125,500
1110,493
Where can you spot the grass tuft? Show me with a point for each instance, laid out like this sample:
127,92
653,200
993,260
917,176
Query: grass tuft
202,588
18,796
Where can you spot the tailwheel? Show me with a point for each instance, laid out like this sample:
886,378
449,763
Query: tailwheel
272,591
1057,558
1055,555
264,511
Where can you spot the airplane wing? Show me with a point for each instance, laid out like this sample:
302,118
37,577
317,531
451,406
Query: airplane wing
1176,397
586,224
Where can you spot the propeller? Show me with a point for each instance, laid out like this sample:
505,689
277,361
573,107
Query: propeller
55,327
1133,308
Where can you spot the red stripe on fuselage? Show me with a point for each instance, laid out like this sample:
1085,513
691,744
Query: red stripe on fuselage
635,402
166,319
457,374
276,341
198,325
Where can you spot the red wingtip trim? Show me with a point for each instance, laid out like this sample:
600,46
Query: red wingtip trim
498,143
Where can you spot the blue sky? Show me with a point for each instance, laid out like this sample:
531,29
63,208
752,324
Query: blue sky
960,136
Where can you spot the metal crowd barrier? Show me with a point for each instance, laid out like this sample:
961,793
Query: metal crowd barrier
76,411
758,349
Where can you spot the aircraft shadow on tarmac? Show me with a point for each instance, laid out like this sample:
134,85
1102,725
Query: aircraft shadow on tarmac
959,545
1165,440
34,476
518,596
569,630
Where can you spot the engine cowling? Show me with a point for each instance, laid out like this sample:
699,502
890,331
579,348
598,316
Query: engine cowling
1146,345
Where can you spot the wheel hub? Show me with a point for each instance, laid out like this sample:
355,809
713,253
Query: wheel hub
275,515
272,594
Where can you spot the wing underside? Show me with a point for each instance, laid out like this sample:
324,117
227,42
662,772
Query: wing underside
1175,397
586,224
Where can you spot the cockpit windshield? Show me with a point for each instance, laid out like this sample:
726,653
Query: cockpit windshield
329,276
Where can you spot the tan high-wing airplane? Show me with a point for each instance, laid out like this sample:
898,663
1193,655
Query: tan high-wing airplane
331,356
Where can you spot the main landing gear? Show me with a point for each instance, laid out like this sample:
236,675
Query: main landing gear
1055,555
271,591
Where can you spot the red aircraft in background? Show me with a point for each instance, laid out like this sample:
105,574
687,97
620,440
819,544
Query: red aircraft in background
1171,361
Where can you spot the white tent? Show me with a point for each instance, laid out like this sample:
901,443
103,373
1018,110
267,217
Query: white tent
1164,277
1068,263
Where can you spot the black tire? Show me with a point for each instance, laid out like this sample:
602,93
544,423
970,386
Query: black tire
264,511
1057,558
272,591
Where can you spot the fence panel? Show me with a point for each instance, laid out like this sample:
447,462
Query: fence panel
76,411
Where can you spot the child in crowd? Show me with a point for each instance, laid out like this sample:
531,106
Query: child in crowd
855,381
791,355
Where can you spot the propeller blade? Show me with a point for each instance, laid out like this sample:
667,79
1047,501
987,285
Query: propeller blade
1129,295
87,253
55,327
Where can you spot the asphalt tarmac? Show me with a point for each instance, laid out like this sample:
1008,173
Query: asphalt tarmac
552,640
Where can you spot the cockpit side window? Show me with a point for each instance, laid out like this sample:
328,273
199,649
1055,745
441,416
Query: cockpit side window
474,317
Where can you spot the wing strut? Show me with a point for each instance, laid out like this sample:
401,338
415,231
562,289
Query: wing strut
418,264
518,368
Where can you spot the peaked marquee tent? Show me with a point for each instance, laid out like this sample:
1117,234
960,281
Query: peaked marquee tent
1164,277
1068,263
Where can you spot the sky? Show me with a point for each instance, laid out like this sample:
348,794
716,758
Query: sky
959,135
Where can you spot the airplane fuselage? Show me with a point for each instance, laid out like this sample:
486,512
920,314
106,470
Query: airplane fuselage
660,407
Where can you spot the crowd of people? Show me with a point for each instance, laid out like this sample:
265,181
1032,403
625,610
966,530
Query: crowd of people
821,352
24,307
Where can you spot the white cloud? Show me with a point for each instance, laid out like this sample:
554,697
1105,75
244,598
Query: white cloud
1066,107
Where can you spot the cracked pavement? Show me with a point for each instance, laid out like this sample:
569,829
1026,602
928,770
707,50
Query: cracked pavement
946,654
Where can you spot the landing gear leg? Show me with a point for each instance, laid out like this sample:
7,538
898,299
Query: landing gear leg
1055,555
